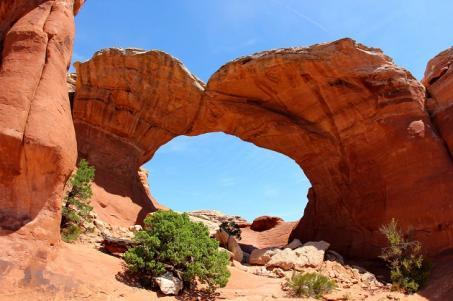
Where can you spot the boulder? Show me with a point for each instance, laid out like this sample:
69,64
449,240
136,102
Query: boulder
311,254
296,243
285,259
222,237
169,284
261,256
334,256
264,223
234,247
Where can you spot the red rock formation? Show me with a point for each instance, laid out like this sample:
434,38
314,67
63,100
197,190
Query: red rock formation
353,121
129,103
37,138
438,81
263,223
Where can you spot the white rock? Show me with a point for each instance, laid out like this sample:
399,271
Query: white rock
135,228
261,256
311,254
169,284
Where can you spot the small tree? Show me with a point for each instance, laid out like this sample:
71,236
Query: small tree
408,269
170,242
231,228
76,205
310,285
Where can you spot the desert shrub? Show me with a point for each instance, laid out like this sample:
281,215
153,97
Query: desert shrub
76,204
408,269
170,242
231,228
310,285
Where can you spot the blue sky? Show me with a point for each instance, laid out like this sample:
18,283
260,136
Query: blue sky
221,172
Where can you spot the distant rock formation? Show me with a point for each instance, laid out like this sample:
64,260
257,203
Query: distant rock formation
263,223
355,123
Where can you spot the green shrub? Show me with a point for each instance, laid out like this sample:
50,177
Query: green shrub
76,205
171,242
231,228
313,285
408,269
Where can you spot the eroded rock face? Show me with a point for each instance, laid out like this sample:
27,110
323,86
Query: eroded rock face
353,121
438,81
129,103
264,223
37,139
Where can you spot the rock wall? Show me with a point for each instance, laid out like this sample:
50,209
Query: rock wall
354,122
37,138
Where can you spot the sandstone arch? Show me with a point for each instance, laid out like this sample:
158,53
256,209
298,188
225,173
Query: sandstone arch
353,121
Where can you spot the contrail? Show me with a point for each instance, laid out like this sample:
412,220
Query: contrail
301,15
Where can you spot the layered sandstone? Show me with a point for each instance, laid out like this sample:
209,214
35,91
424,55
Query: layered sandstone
438,80
357,126
353,121
37,139
129,103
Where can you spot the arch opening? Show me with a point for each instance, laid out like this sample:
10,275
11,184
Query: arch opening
217,171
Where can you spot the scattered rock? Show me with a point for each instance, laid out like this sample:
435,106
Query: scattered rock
169,284
261,256
115,245
135,228
264,223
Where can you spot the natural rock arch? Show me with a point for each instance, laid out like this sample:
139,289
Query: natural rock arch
353,121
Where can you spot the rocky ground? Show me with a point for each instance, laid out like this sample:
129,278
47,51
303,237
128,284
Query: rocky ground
86,273
81,271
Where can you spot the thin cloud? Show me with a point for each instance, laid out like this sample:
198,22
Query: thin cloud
303,16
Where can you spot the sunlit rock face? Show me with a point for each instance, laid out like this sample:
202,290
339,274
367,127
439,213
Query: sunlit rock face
37,139
353,121
438,80
128,103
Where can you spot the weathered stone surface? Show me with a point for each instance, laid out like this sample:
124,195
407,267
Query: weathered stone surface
128,103
311,254
438,81
234,248
264,223
261,256
37,139
169,284
222,237
353,121
332,108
